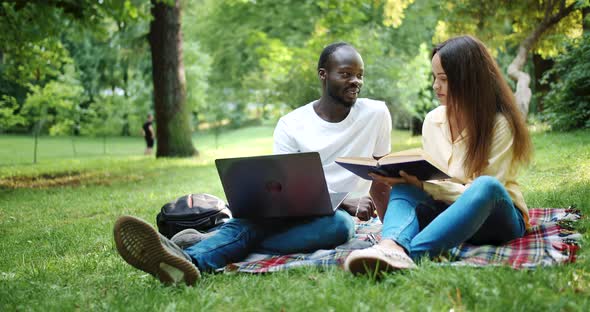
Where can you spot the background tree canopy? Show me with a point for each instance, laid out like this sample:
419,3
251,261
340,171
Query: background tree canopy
85,68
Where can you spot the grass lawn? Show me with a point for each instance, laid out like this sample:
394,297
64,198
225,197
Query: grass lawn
57,249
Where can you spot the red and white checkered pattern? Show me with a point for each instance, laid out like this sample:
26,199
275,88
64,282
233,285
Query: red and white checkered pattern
549,242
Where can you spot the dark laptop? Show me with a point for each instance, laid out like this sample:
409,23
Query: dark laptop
277,186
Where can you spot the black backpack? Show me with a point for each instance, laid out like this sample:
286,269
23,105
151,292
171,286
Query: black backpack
201,212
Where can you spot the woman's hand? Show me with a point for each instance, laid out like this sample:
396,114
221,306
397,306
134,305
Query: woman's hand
404,179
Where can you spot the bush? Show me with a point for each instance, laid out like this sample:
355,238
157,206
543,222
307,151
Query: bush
567,104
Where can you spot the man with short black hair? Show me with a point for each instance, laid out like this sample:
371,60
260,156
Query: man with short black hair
338,124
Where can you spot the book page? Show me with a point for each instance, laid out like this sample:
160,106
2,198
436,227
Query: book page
358,160
413,151
402,156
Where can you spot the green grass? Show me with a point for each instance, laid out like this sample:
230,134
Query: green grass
57,251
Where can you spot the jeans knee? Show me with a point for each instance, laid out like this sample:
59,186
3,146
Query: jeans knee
343,226
237,227
487,189
236,223
407,192
488,185
403,190
488,182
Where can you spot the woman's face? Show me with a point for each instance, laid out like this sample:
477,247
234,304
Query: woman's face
440,80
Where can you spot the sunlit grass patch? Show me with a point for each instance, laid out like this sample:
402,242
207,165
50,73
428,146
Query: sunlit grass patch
58,251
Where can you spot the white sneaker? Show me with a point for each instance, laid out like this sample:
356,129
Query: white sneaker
377,260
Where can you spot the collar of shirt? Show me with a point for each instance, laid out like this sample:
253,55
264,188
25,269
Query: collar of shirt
440,119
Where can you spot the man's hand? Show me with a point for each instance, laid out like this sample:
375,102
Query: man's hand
362,208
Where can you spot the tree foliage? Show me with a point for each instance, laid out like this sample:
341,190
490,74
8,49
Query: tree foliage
567,105
245,60
9,117
268,62
503,24
56,104
95,42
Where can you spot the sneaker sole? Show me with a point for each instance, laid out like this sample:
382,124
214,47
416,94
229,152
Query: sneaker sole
139,244
368,266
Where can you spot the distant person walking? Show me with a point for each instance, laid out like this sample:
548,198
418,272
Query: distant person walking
148,134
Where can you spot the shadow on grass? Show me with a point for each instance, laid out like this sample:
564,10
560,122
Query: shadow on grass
70,178
100,173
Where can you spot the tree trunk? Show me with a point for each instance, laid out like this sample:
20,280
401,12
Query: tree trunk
36,135
173,131
523,92
540,67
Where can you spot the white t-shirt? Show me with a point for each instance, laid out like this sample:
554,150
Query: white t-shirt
365,132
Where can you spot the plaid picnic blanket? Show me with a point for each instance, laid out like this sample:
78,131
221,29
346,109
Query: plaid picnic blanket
550,241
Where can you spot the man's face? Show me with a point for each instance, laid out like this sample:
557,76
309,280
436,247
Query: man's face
343,76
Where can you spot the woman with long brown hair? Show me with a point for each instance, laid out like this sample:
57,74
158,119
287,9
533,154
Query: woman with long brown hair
480,137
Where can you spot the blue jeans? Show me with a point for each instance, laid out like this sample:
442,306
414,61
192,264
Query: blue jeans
239,237
483,214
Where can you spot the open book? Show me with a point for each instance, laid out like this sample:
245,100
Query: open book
414,162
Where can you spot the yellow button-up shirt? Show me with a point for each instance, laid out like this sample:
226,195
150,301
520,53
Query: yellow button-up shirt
438,144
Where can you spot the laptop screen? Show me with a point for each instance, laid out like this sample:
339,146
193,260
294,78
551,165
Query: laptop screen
284,185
